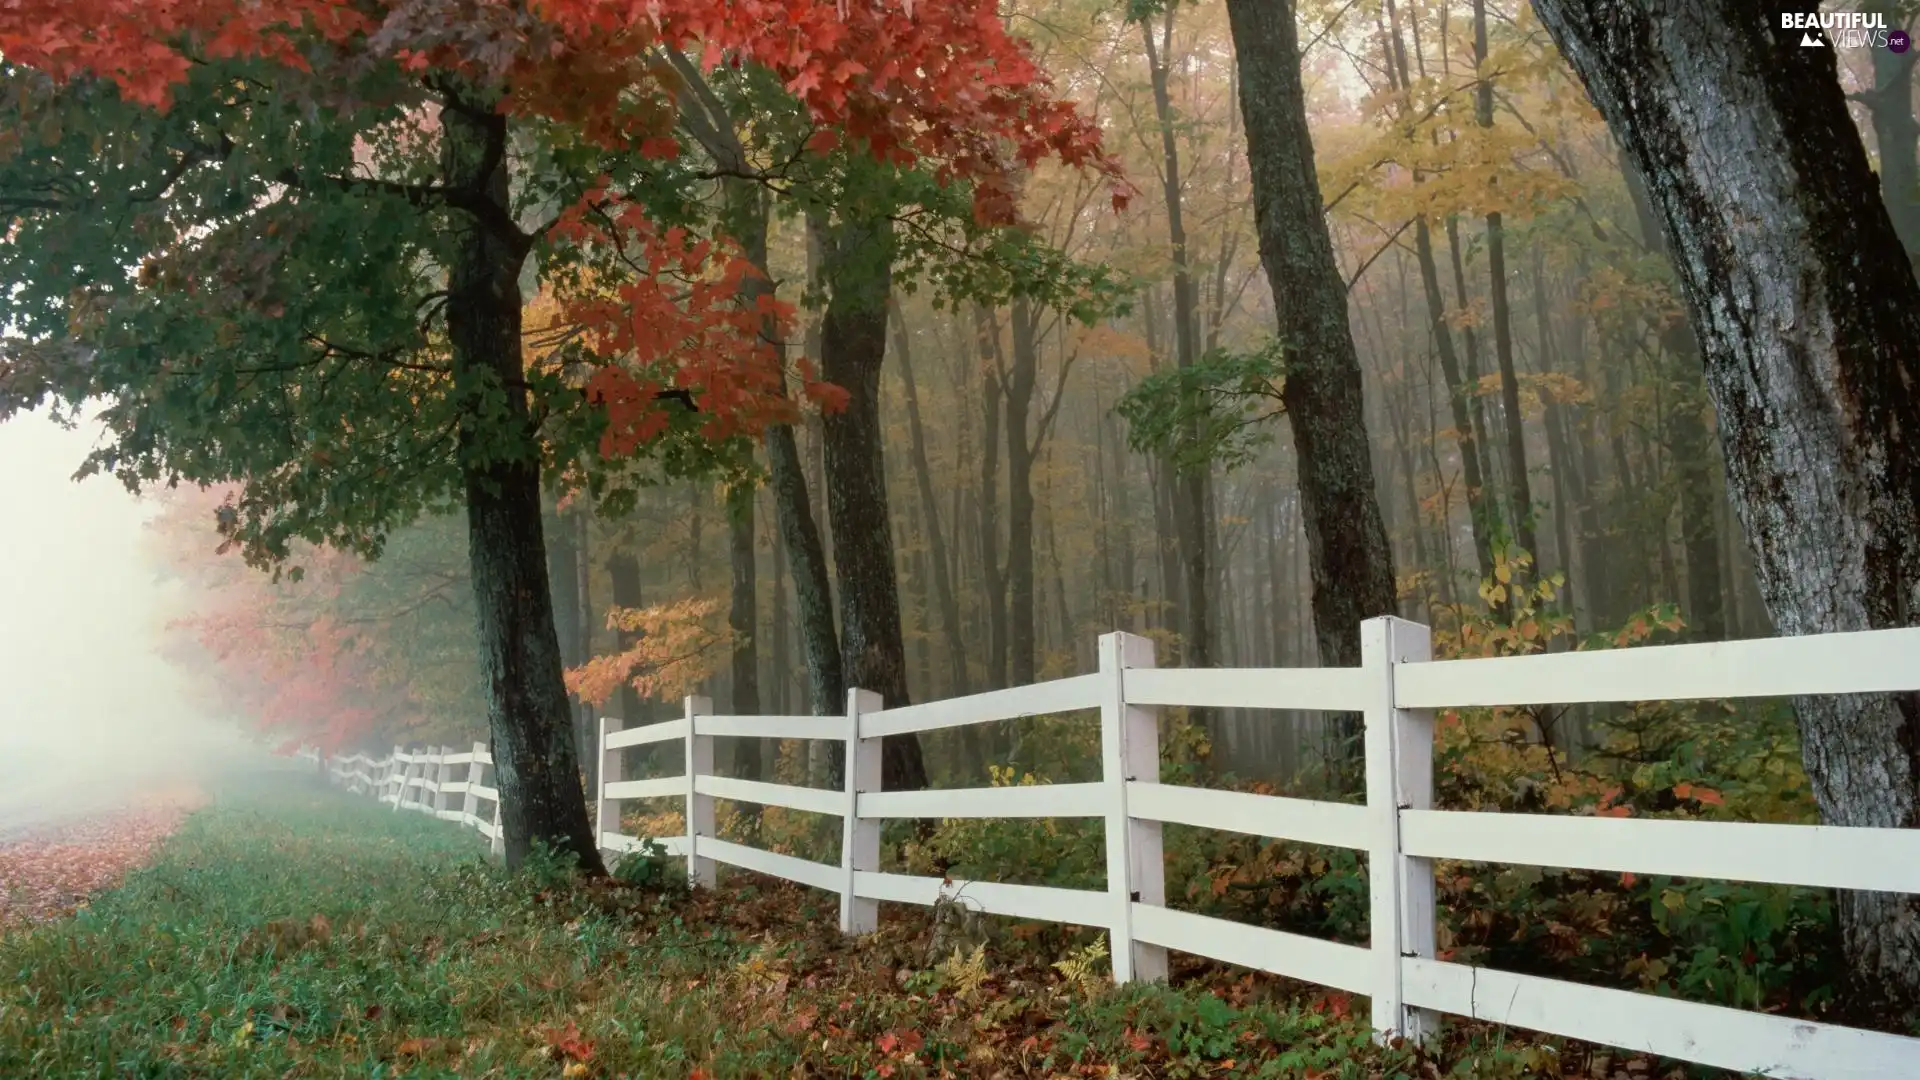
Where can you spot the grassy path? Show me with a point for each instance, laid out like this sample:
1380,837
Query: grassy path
288,930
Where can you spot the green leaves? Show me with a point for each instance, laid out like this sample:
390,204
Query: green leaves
1211,413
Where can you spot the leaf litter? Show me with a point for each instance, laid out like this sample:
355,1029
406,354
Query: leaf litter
50,871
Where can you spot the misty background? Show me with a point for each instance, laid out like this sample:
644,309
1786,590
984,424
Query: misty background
90,712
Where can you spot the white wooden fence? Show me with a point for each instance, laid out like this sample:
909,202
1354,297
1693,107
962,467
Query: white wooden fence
1396,688
424,781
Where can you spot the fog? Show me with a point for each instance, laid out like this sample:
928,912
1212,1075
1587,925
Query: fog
90,713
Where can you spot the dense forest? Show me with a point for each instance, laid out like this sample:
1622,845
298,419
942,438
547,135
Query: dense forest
911,349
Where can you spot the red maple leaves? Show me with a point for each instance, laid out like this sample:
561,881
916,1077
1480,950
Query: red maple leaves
943,85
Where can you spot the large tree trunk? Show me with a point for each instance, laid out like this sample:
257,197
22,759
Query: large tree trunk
1808,315
853,346
527,708
1351,564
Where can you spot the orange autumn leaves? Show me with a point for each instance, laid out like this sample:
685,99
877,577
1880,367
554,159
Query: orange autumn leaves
677,321
674,647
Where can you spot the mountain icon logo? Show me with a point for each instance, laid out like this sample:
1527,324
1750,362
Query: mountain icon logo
1808,41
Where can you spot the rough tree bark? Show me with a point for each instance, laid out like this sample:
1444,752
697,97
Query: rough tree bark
1808,317
853,347
527,708
1350,562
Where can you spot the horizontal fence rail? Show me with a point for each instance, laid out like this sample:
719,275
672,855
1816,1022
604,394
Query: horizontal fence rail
424,781
1395,688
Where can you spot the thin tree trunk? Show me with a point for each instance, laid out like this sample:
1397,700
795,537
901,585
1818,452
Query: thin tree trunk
948,602
538,773
1192,507
1691,438
1557,453
1022,649
987,337
781,659
1519,484
1808,329
793,509
743,619
623,572
586,725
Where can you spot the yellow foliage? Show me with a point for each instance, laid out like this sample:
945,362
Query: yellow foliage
965,974
679,644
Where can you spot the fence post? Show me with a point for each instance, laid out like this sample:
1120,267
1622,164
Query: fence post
606,817
471,803
1399,774
1130,752
859,838
399,772
442,776
699,807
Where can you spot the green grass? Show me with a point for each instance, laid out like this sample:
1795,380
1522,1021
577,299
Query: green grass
296,931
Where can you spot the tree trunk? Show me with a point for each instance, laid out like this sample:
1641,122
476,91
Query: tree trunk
793,506
623,572
944,596
994,582
1459,403
1465,426
1558,456
1519,484
1690,438
1808,328
743,619
1022,646
586,724
1192,501
527,707
853,346
781,660
566,571
1351,565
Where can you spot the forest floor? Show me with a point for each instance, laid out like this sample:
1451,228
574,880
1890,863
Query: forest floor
50,865
290,930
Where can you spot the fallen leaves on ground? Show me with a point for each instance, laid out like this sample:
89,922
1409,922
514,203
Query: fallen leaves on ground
50,873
